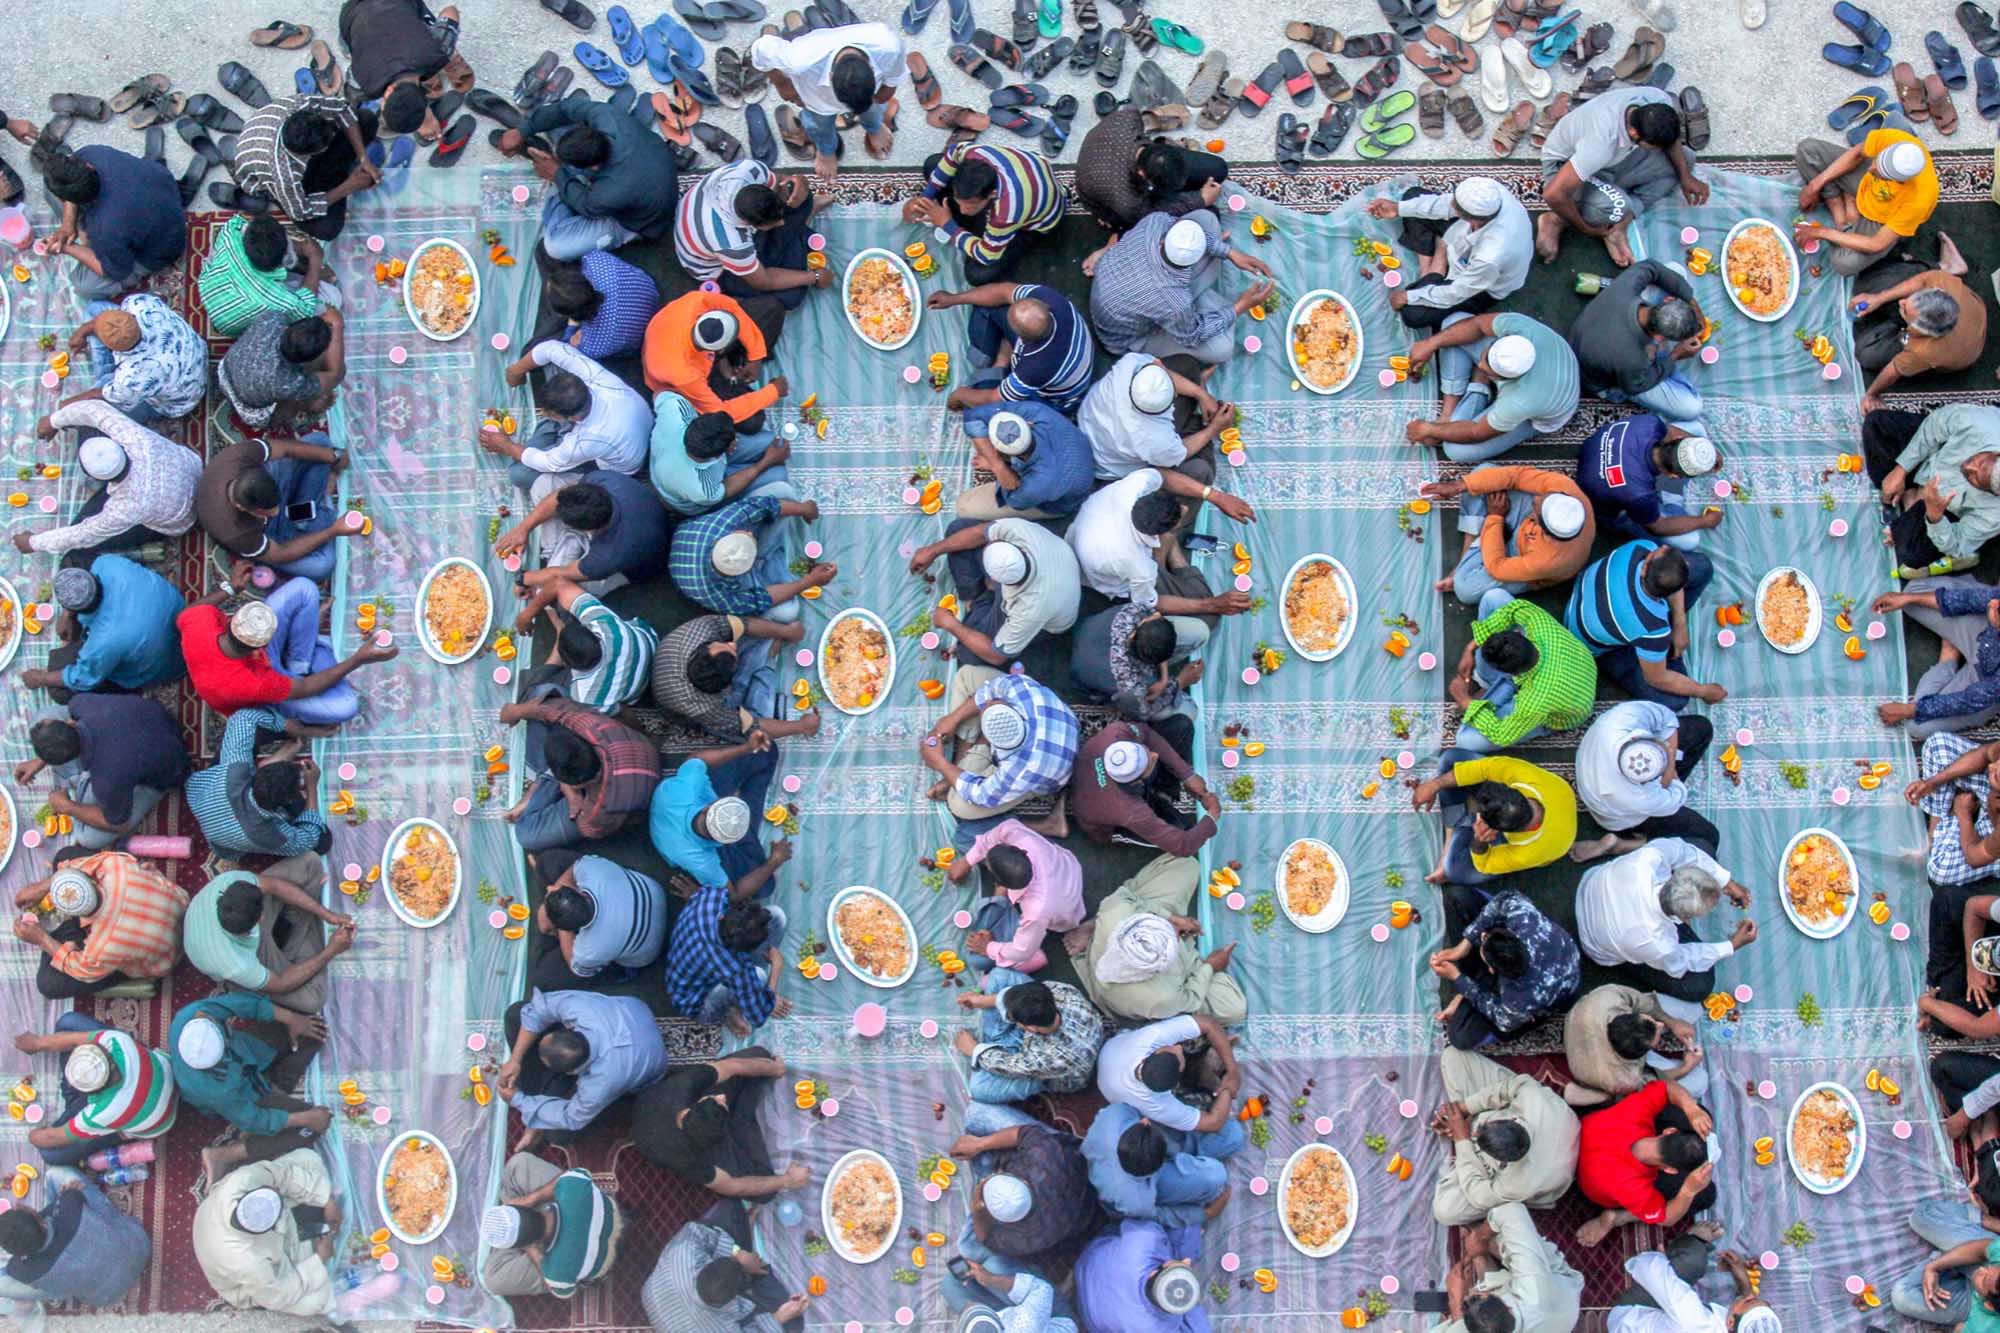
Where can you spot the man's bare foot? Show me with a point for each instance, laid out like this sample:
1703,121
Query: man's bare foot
1618,247
825,166
524,623
965,1043
938,789
1592,1233
821,202
1219,960
1216,1205
1056,823
1710,1231
22,129
513,813
1590,850
879,143
1076,942
1949,258
1548,237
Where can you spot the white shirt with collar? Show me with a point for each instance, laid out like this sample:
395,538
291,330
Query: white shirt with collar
1493,259
1116,558
616,432
1615,801
1681,1308
1534,1281
1122,438
808,61
1618,916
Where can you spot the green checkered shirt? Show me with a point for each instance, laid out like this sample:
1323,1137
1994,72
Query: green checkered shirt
1556,693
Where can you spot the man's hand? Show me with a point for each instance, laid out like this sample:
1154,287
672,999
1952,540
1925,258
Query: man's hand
1936,503
959,871
1711,694
927,211
1460,690
1679,642
1893,713
1710,519
508,1079
29,931
781,386
943,300
1444,967
1384,209
1423,795
781,1008
544,164
24,542
1737,893
363,177
342,941
795,1176
1421,432
1695,191
781,850
1235,507
1700,1121
1744,935
1232,603
374,652
1255,294
977,940
1441,490
1894,485
302,1027
1251,264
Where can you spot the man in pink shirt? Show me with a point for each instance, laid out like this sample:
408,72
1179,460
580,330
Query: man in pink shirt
1040,888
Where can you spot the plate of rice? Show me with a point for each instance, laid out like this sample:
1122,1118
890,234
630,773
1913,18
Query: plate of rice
1324,341
1312,885
861,1207
872,936
416,1188
10,623
1788,609
880,295
441,289
424,872
1317,1201
455,610
1826,1138
10,827
1318,610
857,661
1816,876
1760,269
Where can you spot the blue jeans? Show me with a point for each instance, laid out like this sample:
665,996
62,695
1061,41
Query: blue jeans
748,776
298,649
773,560
995,1032
1458,867
103,365
568,235
1455,367
1470,581
999,916
1622,664
302,481
1499,693
73,1101
1944,1224
826,139
1673,400
1673,504
720,1002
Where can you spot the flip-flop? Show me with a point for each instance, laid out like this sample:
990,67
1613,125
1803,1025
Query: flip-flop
1377,146
1048,19
1861,59
1478,19
155,151
792,134
1334,123
1208,76
763,143
678,113
624,99
1318,35
1368,46
529,89
80,106
451,145
1554,41
1055,136
1596,82
1381,114
1372,84
572,13
1943,113
946,116
1163,119
923,81
1011,118
625,35
1662,76
1465,113
1221,103
304,83
1140,31
1292,136
240,83
675,43
1089,47
1986,82
487,103
1027,23
557,85
446,108
1596,40
696,18
719,141
976,66
1110,61
1535,82
1021,95
1430,110
1979,29
1514,128
1257,93
1043,62
1556,110
403,151
1407,25
1330,80
1855,105
696,85
50,141
599,65
1694,118
1431,65
915,15
1453,50
1910,92
192,176
1865,26
1950,64
1645,51
1173,34
281,34
326,71
992,44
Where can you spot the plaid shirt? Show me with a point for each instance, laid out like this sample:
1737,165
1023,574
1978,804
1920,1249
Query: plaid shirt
697,960
1064,1060
229,816
1026,198
1137,293
1946,864
1042,763
672,690
136,928
671,1298
1556,692
692,567
630,765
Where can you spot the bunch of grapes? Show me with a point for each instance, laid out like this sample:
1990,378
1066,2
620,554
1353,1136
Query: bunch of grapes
1263,911
1809,1010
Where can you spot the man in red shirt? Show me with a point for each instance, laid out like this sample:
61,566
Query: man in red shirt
230,668
1645,1159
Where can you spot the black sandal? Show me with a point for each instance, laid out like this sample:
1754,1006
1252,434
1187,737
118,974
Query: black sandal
1021,95
1377,80
94,109
1334,123
1088,48
718,141
228,196
1694,119
214,114
486,103
976,66
1111,63
453,142
1257,93
729,76
529,89
138,91
996,46
1061,116
1043,63
572,13
1292,135
240,83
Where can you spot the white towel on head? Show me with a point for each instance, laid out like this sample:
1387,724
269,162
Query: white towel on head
1142,946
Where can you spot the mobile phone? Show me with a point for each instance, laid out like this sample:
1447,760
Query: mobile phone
303,512
1200,541
959,1267
1430,1302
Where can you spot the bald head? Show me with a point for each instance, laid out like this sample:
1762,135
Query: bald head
1030,319
118,330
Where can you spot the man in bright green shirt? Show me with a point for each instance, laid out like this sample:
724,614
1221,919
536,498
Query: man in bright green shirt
1522,674
246,275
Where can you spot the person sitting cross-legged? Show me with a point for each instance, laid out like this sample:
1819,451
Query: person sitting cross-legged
1956,792
1510,966
1128,782
743,227
278,371
570,1056
249,272
1522,675
307,154
1144,414
1961,690
1513,1140
1016,581
1005,739
116,627
1525,528
1142,958
1038,888
1936,471
1147,1068
602,531
991,204
115,1088
615,179
551,1232
852,69
1034,1036
266,931
1633,336
1630,771
706,348
240,1058
266,1234
698,461
710,1279
1128,546
1123,172
1630,609
1643,1159
1636,471
270,653
1474,245
1510,1279
267,805
604,304
78,1247
1880,192
1606,162
1635,914
274,501
1663,1297
1959,1285
1616,1038
1913,320
592,774
700,1122
703,818
113,760
1501,814
1143,1170
1030,334
142,484
724,962
146,360
1503,379
1141,1276
1155,289
1129,656
599,922
608,657
734,560
589,417
1031,1194
1040,463
116,921
123,218
720,673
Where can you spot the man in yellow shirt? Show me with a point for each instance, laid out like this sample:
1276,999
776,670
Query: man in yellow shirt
1879,192
1502,815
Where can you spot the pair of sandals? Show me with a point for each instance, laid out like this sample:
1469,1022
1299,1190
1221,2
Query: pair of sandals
1642,57
1408,17
544,81
1363,46
708,20
1433,104
1383,129
151,100
1925,98
1446,60
1522,123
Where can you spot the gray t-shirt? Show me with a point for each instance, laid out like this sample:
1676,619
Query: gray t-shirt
1592,138
258,372
1547,394
1045,601
1612,351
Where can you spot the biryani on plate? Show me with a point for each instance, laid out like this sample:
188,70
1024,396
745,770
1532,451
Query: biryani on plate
865,1207
1318,1199
1316,609
441,290
1759,267
423,874
1785,614
1311,878
1325,344
418,1186
873,934
879,300
856,663
1823,1136
456,610
1817,882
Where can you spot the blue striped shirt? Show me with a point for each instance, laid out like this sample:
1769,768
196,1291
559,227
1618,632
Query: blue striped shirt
1058,368
709,238
631,299
630,926
1610,608
693,569
1043,760
230,818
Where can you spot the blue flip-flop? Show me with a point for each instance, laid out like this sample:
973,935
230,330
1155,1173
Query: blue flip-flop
1863,25
1857,104
403,151
665,37
600,66
625,35
303,80
1861,59
696,83
1555,40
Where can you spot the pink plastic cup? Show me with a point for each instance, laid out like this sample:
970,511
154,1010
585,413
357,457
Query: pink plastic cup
351,870
375,245
1876,629
1253,344
1407,1109
911,495
50,379
1237,458
381,1115
501,342
47,504
804,657
347,772
1230,1262
1323,1125
1899,932
1710,355
1392,279
398,355
31,837
1251,675
501,675
1768,1260
1234,902
1725,638
905,1316
1744,994
928,1028
1837,528
911,374
1744,736
792,783
929,640
816,242
828,972
830,1107
1386,378
1855,1284
475,1041
1901,1129
931,1195
390,1263
434,1294
462,806
1832,371
1379,933
1406,759
36,1114
1390,1284
1259,1186
1426,661
1723,490
962,919
511,564
497,919
1231,758
1689,235
1840,796
1243,583
1767,1090
814,550
1236,202
521,194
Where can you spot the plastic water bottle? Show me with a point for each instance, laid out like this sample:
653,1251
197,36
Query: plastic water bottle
1589,284
125,1154
161,846
125,1175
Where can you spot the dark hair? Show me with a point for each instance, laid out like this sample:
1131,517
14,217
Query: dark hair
1683,1152
1011,866
585,506
719,1282
1142,1149
1631,1035
1153,642
976,179
1032,1004
21,1231
256,488
71,179
305,340
1503,1140
1509,652
1986,1175
309,133
583,147
1165,167
569,757
1160,1071
55,741
1666,573
710,435
577,646
853,82
759,206
1501,806
264,242
1156,513
708,672
563,1050
279,788
1484,1312
1658,124
1504,953
564,393
240,907
570,909
706,1123
403,109
744,925
569,293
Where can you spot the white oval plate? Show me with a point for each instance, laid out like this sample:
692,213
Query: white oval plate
12,643
394,847
382,1189
1292,321
1336,907
831,1229
438,654
1785,238
909,285
1346,587
472,311
840,947
13,827
889,676
1812,1182
1813,612
6,310
1353,1201
1853,877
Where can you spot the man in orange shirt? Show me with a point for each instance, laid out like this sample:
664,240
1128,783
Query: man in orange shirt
1880,192
117,921
705,348
1524,528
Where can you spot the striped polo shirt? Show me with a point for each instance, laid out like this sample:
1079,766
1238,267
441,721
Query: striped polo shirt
1026,198
1609,607
630,925
586,1239
708,236
1056,369
234,291
625,660
138,1103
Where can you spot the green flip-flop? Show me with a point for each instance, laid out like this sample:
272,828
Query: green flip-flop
1377,117
1173,34
1048,20
1386,141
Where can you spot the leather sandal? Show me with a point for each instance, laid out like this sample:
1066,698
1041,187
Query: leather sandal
1257,93
1334,123
1559,108
946,116
1292,136
924,82
1465,113
1329,78
1221,103
792,133
1910,92
1317,35
719,141
1043,62
1377,80
1298,82
1430,110
1943,113
1514,128
976,66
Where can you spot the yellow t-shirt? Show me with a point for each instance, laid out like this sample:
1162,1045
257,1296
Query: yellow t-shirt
1535,847
1901,206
